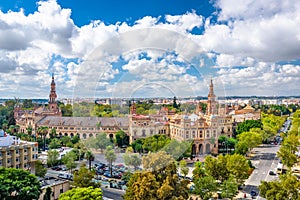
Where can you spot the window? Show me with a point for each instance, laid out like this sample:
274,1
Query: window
91,128
143,133
151,132
17,151
134,132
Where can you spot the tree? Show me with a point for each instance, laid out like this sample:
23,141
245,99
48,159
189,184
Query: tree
132,160
52,133
287,187
247,125
81,149
159,181
40,170
229,188
65,140
198,171
183,168
18,184
157,161
205,187
84,178
69,160
47,195
43,131
110,156
52,158
89,193
248,140
288,149
238,167
29,130
55,143
177,149
27,103
90,157
122,138
100,142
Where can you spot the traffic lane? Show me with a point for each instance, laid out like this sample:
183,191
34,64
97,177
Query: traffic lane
263,160
112,193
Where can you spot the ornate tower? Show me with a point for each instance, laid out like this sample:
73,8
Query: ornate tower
211,102
52,97
132,109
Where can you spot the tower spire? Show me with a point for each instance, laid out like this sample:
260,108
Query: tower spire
211,102
52,97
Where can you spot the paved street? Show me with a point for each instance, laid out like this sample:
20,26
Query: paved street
264,159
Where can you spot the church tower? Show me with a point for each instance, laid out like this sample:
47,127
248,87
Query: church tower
211,102
132,109
52,97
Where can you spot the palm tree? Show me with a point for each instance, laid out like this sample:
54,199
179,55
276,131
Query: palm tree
110,156
53,133
43,131
29,130
90,157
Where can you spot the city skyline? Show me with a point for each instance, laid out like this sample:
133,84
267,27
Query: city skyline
149,49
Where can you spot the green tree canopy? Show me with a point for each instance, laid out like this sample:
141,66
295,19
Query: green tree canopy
206,187
52,158
69,160
89,193
132,160
54,144
84,178
18,184
40,170
247,125
159,181
110,156
287,187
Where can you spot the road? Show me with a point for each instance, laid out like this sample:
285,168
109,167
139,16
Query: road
264,160
112,193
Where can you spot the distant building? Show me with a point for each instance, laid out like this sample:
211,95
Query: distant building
17,153
84,127
241,114
203,129
29,118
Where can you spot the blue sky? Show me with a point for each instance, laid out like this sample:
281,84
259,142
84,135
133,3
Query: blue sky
149,48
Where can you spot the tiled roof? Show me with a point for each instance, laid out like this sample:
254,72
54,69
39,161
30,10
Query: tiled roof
83,121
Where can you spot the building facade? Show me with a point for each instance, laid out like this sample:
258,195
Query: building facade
203,130
18,154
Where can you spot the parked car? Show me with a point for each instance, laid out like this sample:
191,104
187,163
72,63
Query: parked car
253,193
108,175
272,173
65,176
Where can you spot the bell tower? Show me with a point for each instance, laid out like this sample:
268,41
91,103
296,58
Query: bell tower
211,102
52,97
